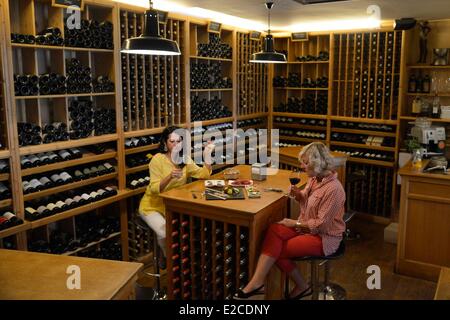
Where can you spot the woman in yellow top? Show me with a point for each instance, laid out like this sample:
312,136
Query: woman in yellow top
166,174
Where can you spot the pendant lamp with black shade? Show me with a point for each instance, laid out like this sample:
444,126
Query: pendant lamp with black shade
268,55
150,42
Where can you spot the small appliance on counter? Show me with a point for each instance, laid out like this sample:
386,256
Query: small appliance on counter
259,171
431,138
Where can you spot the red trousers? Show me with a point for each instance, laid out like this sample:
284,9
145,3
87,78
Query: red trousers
283,243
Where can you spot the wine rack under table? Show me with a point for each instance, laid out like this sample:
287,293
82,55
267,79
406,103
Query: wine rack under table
213,246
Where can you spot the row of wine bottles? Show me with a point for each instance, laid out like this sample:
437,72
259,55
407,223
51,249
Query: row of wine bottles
300,121
55,179
285,144
310,104
89,229
365,154
294,81
208,76
316,135
250,122
138,159
5,192
141,141
54,84
91,34
108,250
363,126
361,139
61,202
138,180
42,159
204,109
8,220
322,56
214,48
61,243
4,166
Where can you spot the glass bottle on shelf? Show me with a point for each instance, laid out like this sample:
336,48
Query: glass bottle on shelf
412,84
416,106
436,109
426,84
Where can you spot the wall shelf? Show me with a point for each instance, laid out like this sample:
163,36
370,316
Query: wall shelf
92,244
87,158
67,144
70,186
362,146
35,46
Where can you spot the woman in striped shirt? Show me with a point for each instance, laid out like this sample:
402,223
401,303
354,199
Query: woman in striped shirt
318,230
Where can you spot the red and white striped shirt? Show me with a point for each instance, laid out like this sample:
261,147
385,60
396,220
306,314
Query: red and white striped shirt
322,210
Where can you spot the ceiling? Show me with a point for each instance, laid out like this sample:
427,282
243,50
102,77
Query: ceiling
286,13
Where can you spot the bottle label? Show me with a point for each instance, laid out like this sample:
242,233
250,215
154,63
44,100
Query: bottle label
51,206
55,177
134,183
77,199
107,165
44,180
85,196
60,204
42,209
94,194
8,215
30,210
69,201
101,192
65,176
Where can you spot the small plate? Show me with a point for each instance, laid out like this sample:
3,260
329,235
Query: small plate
214,183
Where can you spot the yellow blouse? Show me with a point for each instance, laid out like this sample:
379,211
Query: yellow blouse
160,167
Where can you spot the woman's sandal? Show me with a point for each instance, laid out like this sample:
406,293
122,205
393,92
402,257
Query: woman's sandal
304,293
242,295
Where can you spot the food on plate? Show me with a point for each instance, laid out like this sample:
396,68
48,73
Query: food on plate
241,182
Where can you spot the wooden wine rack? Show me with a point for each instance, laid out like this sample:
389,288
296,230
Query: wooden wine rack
366,74
353,57
155,97
438,75
209,258
198,34
252,77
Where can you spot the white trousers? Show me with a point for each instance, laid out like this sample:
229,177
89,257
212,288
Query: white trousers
157,222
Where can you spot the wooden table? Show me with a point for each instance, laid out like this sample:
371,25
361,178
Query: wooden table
443,286
213,271
38,276
424,223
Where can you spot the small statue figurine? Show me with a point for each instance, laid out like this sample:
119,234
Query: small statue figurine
424,31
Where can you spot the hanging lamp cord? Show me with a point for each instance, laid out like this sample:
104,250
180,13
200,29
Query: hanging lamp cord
269,5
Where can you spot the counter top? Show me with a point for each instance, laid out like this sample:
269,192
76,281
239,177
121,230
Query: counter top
410,170
39,276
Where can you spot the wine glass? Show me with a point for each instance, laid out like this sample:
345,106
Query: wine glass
294,179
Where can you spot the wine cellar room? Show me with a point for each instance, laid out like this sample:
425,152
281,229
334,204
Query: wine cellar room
199,150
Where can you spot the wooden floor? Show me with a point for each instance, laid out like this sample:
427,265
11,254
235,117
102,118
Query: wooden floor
351,271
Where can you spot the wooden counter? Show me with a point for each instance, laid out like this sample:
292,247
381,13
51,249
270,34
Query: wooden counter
288,157
38,276
443,285
424,223
216,264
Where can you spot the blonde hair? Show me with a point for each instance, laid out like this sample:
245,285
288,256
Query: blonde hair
319,158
